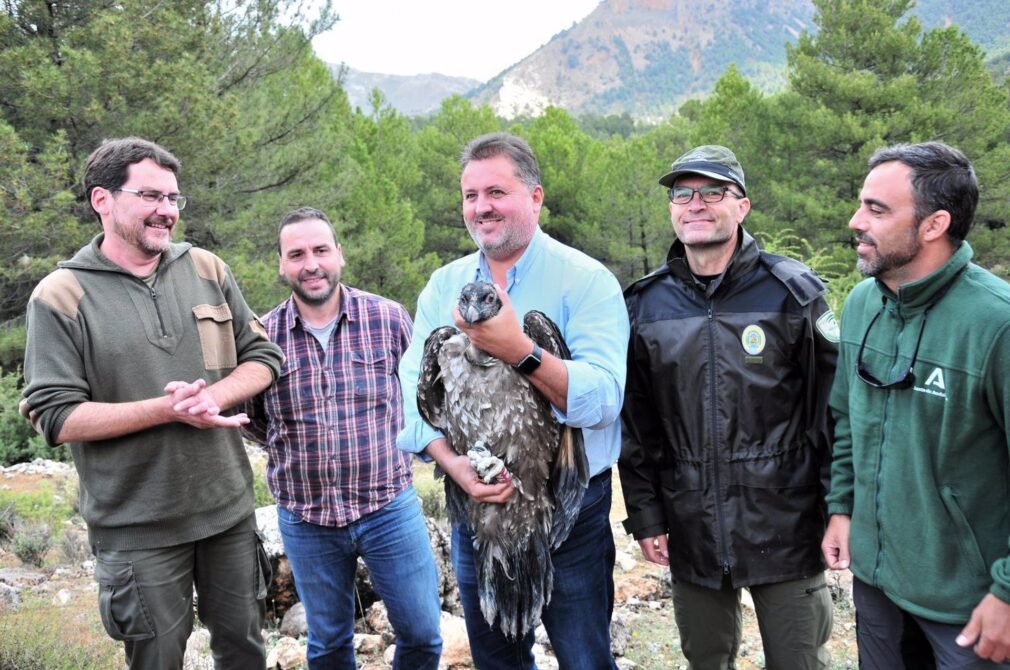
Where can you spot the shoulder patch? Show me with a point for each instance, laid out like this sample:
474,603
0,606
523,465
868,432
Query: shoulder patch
208,266
802,282
61,291
827,326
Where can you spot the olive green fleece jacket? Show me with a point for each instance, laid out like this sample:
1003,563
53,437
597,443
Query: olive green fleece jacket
98,333
924,472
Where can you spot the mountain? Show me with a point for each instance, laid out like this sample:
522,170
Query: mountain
414,95
647,57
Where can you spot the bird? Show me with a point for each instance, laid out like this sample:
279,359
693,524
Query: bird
491,412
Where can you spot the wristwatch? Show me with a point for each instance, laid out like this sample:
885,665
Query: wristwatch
530,361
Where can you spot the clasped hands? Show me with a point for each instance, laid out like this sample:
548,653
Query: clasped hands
191,403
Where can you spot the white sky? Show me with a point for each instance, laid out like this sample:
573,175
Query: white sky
463,38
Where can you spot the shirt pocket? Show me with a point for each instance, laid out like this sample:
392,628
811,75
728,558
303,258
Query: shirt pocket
217,337
370,374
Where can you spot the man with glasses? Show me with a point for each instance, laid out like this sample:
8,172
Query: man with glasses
137,348
726,429
919,504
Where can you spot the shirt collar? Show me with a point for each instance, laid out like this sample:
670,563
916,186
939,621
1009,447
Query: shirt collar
522,268
348,309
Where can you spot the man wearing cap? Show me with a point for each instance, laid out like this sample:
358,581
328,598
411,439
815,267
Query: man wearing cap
726,435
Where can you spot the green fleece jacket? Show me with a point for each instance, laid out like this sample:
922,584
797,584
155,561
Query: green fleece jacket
924,472
97,333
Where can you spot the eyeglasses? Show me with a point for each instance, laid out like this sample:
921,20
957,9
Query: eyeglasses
681,195
154,197
906,380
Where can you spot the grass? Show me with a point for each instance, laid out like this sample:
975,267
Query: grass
45,637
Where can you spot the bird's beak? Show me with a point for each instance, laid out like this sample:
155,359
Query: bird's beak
470,315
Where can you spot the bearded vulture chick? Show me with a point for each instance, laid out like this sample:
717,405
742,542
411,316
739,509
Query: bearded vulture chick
491,412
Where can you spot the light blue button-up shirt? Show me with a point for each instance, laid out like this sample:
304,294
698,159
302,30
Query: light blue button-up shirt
581,296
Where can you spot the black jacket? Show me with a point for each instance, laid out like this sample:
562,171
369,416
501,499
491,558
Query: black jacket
726,442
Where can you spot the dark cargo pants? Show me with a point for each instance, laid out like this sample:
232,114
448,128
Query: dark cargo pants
146,599
794,617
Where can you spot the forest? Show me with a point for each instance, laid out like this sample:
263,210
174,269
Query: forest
261,127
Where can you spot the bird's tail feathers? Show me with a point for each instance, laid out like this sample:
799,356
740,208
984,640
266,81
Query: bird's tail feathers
569,479
515,584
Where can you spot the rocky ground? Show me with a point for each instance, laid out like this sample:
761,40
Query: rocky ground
644,632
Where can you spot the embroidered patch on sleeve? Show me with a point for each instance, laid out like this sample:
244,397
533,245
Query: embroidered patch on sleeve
827,326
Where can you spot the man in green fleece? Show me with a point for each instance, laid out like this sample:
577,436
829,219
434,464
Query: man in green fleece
136,349
919,489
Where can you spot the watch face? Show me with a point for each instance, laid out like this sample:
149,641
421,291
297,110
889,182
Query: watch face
531,362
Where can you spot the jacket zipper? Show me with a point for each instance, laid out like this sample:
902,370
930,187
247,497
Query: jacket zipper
157,309
880,456
721,522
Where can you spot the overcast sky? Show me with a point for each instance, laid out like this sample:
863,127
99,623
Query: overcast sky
463,38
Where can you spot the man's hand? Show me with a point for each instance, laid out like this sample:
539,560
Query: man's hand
988,629
193,405
461,470
500,336
655,550
835,545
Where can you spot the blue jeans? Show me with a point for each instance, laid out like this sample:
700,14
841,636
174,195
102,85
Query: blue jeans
578,617
393,542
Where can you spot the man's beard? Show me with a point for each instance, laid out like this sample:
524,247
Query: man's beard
879,263
318,297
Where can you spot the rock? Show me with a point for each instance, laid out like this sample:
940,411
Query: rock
746,600
455,644
626,664
368,644
10,598
198,655
542,659
287,653
620,634
625,562
62,597
377,619
21,576
294,623
39,466
645,588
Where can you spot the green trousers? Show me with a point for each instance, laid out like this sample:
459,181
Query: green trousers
794,618
145,599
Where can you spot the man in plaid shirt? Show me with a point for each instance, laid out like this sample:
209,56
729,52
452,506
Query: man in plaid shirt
329,425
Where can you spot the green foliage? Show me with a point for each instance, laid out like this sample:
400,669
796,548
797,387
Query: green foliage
42,505
18,440
31,543
431,491
42,637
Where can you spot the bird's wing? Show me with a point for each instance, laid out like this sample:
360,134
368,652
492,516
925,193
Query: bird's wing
430,389
570,469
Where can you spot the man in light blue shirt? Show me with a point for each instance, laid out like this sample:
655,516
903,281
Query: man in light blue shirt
502,197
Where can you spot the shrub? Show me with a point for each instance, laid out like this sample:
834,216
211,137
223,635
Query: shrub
431,491
42,637
31,543
19,442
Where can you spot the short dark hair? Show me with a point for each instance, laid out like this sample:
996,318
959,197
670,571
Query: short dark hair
302,214
108,166
942,178
511,146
